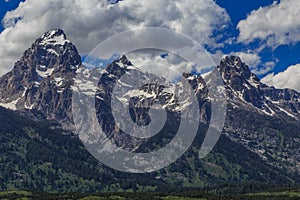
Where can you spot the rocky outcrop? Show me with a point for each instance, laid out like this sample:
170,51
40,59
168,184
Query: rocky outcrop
43,77
244,89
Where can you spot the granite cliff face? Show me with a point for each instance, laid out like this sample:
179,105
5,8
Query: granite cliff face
244,88
42,79
157,90
262,118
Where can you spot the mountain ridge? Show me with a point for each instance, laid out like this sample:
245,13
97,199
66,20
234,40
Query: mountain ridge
261,121
42,78
53,58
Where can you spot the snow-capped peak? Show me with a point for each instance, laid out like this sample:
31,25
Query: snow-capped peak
54,37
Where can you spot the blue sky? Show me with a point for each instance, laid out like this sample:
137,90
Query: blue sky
238,10
7,6
287,55
274,55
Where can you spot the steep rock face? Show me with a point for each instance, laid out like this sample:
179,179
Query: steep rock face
239,80
262,118
42,78
155,90
244,89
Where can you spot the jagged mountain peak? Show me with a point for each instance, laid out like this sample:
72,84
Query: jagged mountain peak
232,66
55,36
119,66
121,62
42,78
232,59
54,32
124,60
53,52
237,75
244,89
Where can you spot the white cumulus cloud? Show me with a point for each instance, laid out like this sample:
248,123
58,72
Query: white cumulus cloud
277,24
290,78
87,23
250,58
265,68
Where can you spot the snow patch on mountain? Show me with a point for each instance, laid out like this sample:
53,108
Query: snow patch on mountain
46,73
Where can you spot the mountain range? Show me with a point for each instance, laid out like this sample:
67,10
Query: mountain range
259,142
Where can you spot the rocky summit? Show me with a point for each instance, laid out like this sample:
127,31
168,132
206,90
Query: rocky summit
262,118
245,89
41,80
